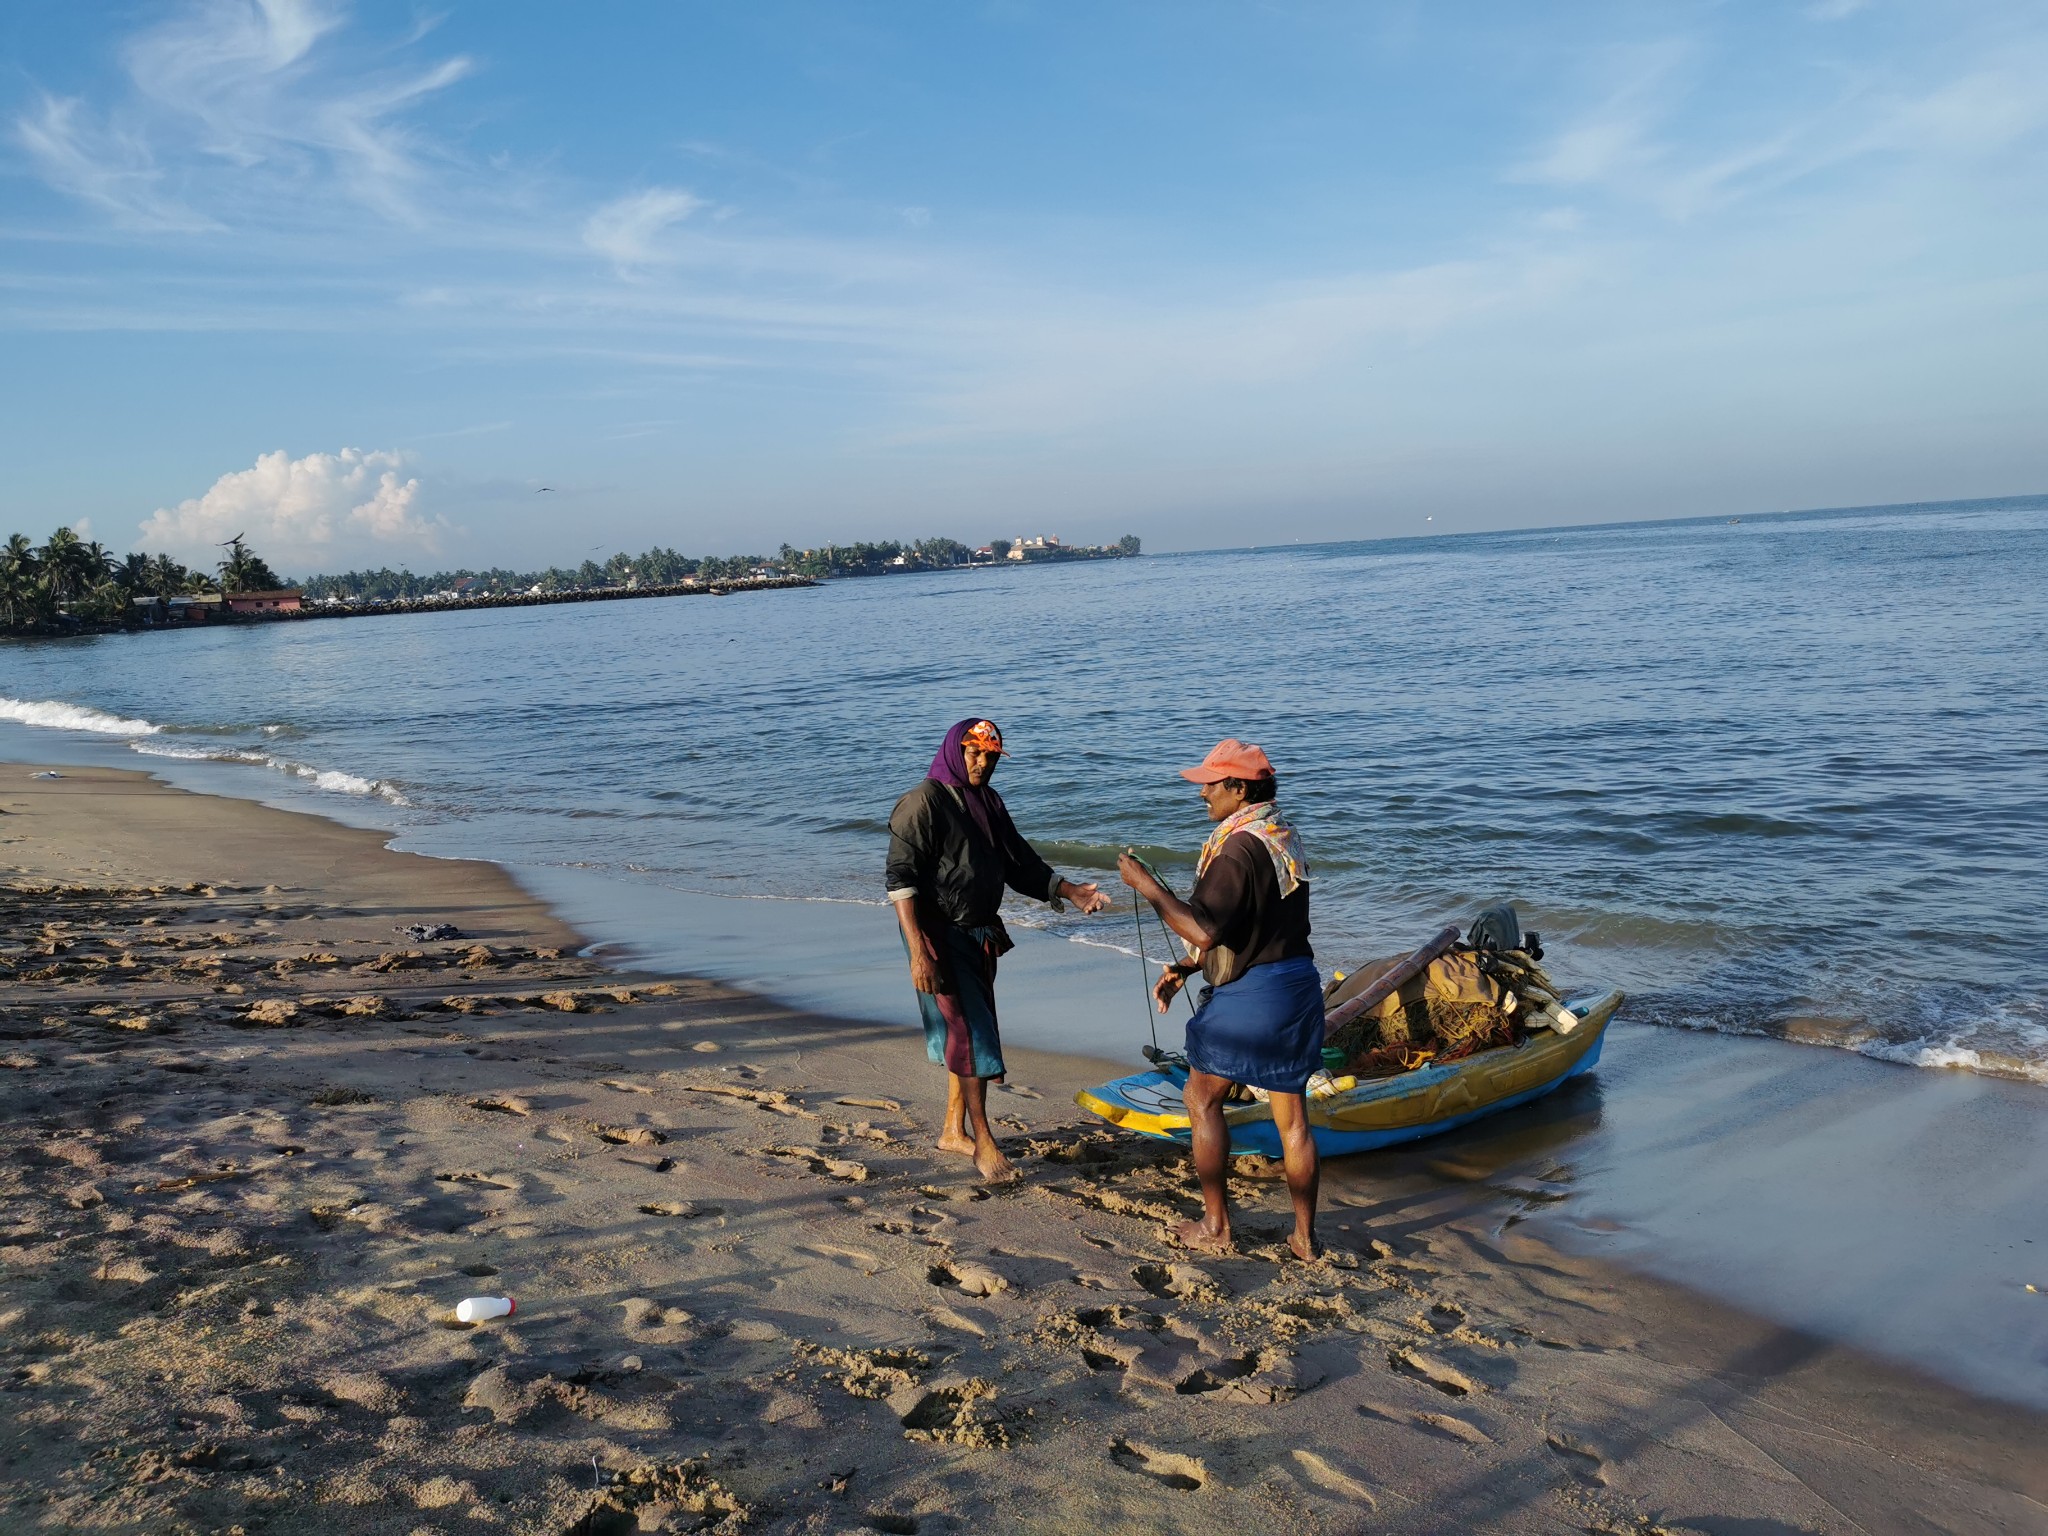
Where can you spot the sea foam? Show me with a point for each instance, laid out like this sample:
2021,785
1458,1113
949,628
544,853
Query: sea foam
55,714
333,780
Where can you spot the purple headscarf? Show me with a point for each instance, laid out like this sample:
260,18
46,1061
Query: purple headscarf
949,767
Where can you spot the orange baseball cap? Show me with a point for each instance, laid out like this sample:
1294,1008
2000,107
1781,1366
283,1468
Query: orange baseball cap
984,737
1230,759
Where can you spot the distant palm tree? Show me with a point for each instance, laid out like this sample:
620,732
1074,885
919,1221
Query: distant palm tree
245,571
24,596
167,578
66,565
134,575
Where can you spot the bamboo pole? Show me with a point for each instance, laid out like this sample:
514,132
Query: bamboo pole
1394,979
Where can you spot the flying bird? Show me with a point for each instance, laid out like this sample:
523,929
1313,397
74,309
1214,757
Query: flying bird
539,488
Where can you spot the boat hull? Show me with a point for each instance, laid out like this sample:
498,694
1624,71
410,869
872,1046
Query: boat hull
1385,1111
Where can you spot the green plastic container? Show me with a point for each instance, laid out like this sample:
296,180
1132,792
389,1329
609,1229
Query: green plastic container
1333,1060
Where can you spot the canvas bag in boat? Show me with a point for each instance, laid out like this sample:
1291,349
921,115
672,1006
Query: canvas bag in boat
1453,1007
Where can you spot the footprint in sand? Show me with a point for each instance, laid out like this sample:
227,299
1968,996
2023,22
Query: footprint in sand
1182,1281
1326,1475
1446,1379
1453,1426
860,1130
469,1176
681,1210
1585,1460
511,1104
628,1135
847,1258
969,1279
918,1222
1119,1316
1447,1425
843,1169
955,1413
890,1105
773,1100
647,1321
1169,1467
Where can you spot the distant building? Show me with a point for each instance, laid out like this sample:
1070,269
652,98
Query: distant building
196,609
283,600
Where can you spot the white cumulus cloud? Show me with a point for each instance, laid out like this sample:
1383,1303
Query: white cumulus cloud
319,511
625,229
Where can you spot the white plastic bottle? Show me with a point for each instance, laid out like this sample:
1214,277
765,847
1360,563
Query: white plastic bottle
477,1309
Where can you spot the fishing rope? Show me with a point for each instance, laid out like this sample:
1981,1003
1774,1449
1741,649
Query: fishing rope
1145,967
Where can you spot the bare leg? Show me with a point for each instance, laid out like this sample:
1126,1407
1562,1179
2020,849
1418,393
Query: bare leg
1304,1170
988,1157
957,1134
1204,1099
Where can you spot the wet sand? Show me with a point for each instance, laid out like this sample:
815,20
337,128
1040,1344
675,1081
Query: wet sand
256,1144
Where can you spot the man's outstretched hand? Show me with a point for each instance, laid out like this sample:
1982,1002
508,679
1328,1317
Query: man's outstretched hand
1088,898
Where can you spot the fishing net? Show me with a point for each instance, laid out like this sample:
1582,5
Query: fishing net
1466,1001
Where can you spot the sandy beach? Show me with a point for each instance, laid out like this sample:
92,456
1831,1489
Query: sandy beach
258,1143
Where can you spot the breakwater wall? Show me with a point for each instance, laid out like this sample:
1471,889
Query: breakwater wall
518,600
160,617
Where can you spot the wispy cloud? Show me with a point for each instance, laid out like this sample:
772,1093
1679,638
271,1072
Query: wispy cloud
1614,139
625,230
1658,137
112,169
239,86
482,429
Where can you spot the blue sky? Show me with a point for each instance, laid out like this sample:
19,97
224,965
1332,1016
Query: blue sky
360,278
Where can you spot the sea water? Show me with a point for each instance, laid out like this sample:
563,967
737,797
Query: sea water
1781,775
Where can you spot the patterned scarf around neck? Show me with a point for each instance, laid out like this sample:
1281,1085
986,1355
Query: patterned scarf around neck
1265,821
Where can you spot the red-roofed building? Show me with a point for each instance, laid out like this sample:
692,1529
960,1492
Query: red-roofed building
284,600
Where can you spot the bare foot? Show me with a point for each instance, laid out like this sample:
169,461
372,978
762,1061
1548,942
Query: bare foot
1192,1234
1307,1249
993,1166
953,1141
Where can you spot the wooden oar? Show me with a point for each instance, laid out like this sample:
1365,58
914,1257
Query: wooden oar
1392,981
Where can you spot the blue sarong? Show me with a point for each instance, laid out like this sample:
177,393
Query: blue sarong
960,1024
1264,1029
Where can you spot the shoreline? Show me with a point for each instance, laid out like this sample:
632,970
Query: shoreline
396,606
747,1288
1825,1190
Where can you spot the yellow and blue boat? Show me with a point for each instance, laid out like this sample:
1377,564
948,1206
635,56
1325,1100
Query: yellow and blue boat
1352,1116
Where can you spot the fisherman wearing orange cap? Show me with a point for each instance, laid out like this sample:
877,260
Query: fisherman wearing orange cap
1260,1021
952,851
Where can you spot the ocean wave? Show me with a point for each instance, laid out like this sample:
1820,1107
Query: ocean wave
2008,1040
1959,1058
55,714
332,780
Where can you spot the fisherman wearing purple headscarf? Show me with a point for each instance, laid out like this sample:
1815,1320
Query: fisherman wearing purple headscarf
952,851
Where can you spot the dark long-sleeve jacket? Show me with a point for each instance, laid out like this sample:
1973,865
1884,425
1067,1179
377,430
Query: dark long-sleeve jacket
938,853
